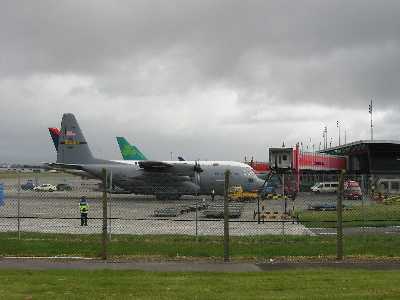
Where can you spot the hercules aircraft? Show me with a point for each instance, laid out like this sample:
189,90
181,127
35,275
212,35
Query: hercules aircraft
165,179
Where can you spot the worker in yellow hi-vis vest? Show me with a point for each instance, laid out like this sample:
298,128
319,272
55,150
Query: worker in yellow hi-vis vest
83,208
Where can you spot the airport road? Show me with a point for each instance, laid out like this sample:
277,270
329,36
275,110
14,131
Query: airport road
190,266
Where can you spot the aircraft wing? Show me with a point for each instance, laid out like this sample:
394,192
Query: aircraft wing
65,166
184,169
151,165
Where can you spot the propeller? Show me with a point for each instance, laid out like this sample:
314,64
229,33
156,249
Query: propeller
197,168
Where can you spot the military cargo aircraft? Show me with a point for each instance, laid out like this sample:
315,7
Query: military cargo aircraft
165,179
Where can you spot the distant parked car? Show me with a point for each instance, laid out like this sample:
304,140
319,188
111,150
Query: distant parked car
322,206
352,190
64,187
326,207
352,193
28,185
325,187
46,187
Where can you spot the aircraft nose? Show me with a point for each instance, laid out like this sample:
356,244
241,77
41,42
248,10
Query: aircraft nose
259,184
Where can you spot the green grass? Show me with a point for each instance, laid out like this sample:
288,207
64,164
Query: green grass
376,215
181,246
108,284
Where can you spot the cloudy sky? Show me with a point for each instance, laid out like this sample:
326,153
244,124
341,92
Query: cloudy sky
203,79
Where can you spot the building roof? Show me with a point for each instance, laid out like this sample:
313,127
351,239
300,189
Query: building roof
357,145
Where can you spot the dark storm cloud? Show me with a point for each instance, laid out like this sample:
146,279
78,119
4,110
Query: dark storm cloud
296,61
303,50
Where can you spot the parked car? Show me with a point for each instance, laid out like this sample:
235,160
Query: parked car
64,187
322,207
45,187
352,190
388,186
28,185
352,193
326,207
325,187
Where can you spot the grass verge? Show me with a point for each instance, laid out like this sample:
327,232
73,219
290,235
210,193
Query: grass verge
181,246
108,284
375,215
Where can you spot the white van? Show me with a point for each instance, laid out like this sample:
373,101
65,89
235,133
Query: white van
325,187
388,186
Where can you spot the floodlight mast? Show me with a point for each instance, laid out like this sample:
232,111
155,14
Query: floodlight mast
372,127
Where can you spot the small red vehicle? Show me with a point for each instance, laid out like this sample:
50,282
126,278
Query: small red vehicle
352,190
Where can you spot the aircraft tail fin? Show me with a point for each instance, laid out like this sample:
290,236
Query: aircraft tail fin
72,145
128,151
55,136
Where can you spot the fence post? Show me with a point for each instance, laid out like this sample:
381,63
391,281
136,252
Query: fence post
104,231
19,205
339,223
196,219
226,217
109,206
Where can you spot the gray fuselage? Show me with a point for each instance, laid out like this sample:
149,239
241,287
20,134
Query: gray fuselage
131,177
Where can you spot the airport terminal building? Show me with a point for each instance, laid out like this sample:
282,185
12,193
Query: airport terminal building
370,156
374,159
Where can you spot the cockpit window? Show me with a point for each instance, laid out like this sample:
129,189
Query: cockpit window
249,173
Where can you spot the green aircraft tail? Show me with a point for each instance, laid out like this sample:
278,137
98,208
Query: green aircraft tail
128,151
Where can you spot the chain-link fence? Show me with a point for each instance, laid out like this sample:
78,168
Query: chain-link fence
40,215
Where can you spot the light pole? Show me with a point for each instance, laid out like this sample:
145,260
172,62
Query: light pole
370,112
325,136
313,157
338,126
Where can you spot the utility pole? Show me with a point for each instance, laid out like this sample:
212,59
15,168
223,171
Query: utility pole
345,136
338,126
226,216
370,112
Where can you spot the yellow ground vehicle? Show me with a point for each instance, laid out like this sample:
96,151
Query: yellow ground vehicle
236,193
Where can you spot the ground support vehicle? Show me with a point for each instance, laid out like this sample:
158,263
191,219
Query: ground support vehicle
45,187
272,215
28,185
216,210
236,193
63,187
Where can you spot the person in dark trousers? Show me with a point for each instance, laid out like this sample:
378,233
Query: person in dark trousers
83,208
212,194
